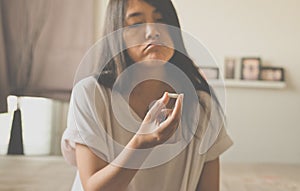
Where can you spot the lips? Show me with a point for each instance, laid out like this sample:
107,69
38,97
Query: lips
152,45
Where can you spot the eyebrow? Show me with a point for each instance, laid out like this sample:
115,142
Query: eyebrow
137,14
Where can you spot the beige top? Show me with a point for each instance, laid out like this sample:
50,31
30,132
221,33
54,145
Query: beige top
92,121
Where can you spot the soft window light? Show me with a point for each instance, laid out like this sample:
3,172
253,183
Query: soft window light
36,122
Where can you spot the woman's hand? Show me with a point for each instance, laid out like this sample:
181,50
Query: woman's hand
153,130
97,174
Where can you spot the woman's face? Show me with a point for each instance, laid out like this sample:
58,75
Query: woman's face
145,36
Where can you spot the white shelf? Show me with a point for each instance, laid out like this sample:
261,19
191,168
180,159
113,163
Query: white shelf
247,84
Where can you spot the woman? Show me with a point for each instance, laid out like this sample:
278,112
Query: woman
94,134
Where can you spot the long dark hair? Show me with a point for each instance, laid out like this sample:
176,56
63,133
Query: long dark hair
115,17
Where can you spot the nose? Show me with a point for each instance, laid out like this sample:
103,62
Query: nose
152,32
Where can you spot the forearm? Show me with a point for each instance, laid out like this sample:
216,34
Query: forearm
114,176
96,174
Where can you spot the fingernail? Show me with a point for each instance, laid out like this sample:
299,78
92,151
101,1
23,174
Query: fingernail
165,94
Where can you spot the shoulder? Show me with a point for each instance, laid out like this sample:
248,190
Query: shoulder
87,84
205,101
89,88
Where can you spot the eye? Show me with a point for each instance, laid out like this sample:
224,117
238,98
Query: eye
160,20
135,25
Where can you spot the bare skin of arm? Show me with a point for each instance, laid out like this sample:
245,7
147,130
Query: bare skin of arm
210,176
97,174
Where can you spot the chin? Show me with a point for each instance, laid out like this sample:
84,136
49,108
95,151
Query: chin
153,62
159,57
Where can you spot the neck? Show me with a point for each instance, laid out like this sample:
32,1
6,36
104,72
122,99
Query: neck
145,93
151,89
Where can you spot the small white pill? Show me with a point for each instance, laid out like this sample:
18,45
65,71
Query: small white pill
172,95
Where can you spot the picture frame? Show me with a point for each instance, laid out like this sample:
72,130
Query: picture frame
272,74
211,73
230,68
250,68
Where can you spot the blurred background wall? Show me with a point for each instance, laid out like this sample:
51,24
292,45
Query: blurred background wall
264,123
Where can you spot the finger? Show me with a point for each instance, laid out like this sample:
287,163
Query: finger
175,115
178,107
155,110
159,104
167,112
163,115
168,128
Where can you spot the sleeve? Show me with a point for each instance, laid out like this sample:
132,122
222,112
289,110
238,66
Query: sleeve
85,123
214,138
222,143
